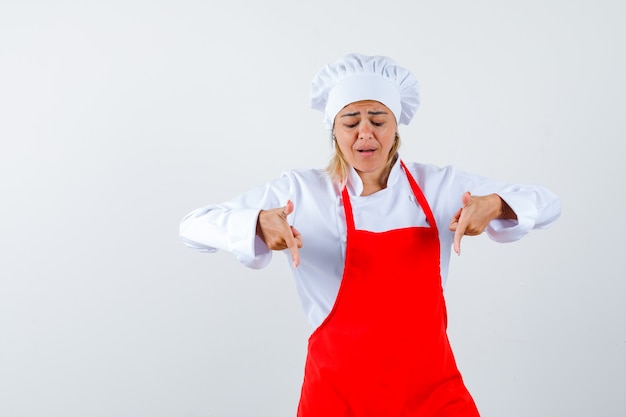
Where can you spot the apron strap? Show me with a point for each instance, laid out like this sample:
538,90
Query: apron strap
420,197
347,209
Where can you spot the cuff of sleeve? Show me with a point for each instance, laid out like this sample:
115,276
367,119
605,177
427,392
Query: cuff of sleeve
244,243
504,230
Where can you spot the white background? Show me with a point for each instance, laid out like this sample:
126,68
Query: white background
119,117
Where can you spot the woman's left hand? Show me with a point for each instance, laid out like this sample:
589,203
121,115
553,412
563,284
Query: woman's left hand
475,215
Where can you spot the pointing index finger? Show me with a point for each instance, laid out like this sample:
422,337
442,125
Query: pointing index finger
292,245
459,232
291,239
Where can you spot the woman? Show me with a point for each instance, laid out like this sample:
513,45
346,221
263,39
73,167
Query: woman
370,239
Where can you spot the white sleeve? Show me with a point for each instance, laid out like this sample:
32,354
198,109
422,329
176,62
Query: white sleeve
536,206
231,226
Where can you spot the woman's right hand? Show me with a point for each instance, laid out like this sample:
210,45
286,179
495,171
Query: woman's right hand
272,227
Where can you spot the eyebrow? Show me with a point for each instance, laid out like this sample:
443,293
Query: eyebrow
371,113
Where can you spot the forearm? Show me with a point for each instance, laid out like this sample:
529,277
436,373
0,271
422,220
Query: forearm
232,226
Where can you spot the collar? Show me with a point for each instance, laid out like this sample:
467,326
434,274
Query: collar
355,185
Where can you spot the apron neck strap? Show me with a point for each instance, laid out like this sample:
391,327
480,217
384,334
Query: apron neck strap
420,197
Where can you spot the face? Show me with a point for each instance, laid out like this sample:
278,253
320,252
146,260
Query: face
365,132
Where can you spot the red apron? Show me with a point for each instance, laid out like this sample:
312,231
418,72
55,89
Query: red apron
383,350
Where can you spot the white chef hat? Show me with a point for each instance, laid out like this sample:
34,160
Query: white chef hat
357,77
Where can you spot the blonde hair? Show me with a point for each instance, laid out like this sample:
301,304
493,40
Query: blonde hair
338,167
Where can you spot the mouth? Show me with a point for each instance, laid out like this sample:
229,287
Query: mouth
366,151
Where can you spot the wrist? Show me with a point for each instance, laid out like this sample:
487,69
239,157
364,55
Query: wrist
506,212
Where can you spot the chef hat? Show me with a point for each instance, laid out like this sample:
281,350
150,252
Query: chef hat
357,77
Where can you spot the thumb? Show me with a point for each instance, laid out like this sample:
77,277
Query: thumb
465,198
288,209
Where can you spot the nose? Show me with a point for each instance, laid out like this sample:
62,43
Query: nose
365,131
